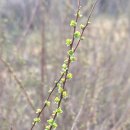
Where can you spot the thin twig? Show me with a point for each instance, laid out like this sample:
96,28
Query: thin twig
18,82
68,65
80,110
26,30
87,23
57,81
71,46
44,106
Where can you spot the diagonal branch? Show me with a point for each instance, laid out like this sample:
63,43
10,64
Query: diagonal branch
44,106
87,23
18,81
68,66
71,46
80,110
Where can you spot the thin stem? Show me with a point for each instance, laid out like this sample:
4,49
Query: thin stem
44,106
68,65
87,23
61,96
18,82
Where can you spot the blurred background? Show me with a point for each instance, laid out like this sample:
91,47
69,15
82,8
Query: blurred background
32,50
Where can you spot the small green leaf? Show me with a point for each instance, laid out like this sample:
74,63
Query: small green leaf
73,23
64,66
47,127
58,85
38,110
54,125
59,110
65,94
62,80
77,34
68,42
37,119
82,26
64,70
79,14
71,52
50,121
57,100
69,76
72,58
60,89
47,103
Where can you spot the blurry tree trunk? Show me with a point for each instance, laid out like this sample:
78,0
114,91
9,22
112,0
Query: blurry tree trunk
42,96
43,64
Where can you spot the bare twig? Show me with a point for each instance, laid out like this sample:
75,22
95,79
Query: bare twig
80,110
123,118
18,82
26,30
